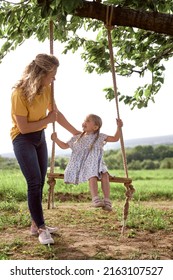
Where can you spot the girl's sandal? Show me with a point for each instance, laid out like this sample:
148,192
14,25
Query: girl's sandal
97,202
107,205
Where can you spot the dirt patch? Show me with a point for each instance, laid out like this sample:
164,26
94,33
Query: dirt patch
80,197
87,233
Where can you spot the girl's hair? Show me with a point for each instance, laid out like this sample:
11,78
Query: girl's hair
97,121
31,80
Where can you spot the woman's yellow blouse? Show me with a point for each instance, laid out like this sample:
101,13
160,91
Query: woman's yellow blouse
34,112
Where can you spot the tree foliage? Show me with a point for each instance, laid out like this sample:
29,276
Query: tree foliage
137,51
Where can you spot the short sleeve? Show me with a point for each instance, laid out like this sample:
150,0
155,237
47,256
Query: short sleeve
102,138
72,141
18,104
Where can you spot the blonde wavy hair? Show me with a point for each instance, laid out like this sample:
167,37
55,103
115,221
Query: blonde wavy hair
31,80
98,122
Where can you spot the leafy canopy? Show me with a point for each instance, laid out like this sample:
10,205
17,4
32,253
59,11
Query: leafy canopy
136,51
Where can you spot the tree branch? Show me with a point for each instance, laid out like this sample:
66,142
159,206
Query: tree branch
153,21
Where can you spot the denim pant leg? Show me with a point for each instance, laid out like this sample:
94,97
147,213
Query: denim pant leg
31,152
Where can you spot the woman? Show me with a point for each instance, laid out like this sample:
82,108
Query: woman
30,101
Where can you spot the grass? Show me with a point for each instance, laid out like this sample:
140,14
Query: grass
77,218
150,219
81,223
149,185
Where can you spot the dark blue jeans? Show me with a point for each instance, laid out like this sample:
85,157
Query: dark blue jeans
31,152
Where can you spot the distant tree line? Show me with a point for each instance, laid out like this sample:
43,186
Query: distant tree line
8,163
139,157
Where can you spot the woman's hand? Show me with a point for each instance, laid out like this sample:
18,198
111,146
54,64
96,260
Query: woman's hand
77,132
52,116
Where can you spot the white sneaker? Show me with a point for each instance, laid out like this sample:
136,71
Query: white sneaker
52,229
45,237
34,230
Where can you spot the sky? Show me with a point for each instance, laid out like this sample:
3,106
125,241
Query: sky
78,93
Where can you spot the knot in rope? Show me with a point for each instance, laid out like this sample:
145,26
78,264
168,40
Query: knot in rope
109,13
129,191
51,182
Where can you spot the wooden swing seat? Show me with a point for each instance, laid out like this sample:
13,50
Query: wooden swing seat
111,178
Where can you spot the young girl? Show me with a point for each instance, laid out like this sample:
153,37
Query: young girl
86,162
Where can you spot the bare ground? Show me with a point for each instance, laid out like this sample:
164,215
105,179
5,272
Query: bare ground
87,233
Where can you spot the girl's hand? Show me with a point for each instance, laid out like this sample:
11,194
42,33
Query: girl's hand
54,136
119,123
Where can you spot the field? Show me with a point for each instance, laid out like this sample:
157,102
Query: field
86,233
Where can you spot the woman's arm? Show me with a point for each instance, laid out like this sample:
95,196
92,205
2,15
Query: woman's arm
64,122
26,127
117,135
60,143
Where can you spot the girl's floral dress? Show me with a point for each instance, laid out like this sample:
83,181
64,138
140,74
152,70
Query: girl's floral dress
85,162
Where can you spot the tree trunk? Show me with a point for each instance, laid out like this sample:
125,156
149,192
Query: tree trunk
153,21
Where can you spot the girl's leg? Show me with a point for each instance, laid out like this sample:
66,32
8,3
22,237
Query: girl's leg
93,184
105,185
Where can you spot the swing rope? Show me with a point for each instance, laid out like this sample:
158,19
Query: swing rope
109,13
52,161
52,97
129,188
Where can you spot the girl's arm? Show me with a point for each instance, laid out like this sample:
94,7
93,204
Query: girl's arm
60,143
116,137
